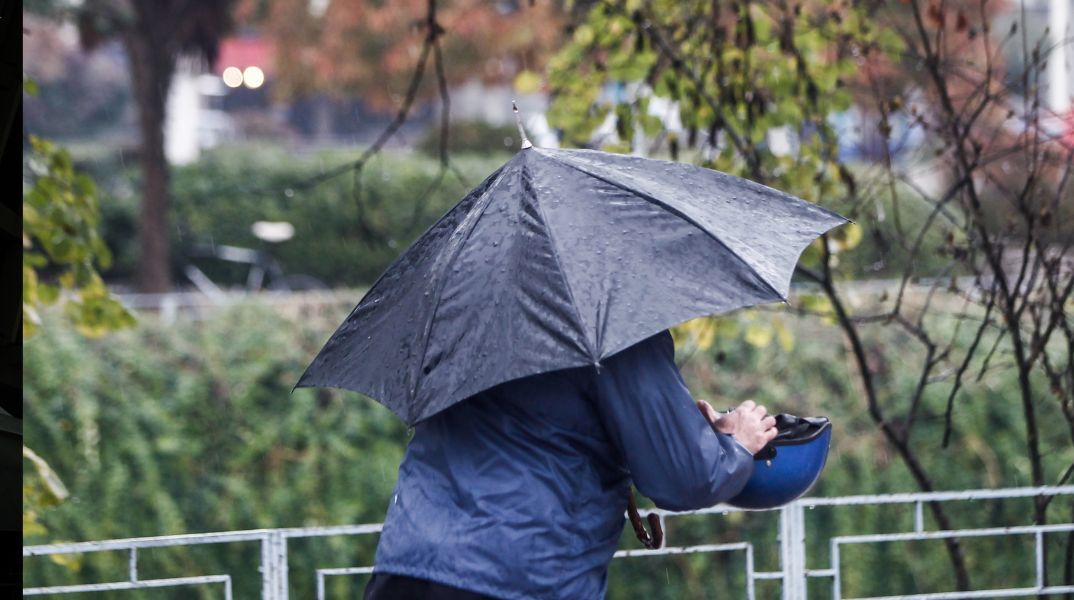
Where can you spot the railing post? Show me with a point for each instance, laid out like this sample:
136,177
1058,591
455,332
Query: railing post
274,566
792,551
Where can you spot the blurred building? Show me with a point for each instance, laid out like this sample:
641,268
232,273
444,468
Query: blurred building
232,100
204,108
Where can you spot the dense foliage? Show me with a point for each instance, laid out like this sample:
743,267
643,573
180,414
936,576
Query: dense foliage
193,428
62,248
346,229
368,48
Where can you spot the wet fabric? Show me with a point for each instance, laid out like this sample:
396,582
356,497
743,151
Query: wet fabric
560,259
520,491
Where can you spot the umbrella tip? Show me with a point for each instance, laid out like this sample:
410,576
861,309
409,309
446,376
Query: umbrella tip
522,132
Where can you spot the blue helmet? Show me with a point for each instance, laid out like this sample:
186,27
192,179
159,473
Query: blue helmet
789,465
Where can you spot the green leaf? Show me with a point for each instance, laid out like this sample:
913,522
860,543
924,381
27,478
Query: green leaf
584,35
60,217
783,334
759,334
527,82
845,238
48,294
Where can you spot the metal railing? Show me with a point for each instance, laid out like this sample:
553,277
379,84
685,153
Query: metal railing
794,572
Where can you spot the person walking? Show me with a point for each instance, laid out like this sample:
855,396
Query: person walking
520,491
524,337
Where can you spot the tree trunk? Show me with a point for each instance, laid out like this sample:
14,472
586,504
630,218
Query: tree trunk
151,73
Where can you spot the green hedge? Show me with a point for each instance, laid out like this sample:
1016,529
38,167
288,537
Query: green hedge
342,238
474,137
194,428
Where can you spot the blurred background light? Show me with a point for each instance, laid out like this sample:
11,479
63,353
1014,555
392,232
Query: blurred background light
232,77
253,77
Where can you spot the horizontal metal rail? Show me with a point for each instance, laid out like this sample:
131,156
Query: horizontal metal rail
999,593
793,569
322,574
190,539
962,495
132,585
683,550
1037,531
954,533
273,557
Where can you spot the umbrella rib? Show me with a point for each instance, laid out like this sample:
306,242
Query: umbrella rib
677,213
373,289
566,282
440,277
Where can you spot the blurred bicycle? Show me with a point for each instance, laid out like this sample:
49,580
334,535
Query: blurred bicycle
263,271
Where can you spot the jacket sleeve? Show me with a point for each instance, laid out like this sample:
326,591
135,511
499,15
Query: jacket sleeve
674,456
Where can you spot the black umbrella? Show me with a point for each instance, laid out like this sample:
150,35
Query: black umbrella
560,259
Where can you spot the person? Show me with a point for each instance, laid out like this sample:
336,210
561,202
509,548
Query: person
520,491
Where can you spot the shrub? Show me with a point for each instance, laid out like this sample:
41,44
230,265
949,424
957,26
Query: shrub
192,428
345,235
472,137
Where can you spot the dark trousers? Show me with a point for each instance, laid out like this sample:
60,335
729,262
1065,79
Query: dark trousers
385,586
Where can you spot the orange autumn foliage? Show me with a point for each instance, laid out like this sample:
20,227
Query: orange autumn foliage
370,49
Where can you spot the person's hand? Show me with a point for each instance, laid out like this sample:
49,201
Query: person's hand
750,424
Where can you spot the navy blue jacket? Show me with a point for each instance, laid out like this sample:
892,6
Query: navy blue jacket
519,492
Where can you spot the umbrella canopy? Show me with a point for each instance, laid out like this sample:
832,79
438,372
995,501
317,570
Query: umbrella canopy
559,259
